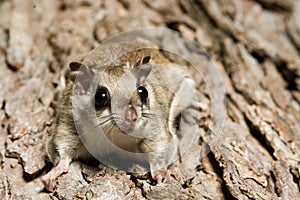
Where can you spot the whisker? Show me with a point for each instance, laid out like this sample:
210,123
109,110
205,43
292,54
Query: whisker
150,115
101,123
97,144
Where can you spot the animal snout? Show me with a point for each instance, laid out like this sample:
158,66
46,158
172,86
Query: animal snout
130,114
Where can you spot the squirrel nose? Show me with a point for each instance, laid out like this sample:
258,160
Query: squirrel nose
130,114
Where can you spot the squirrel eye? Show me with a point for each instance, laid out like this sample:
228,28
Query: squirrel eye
102,98
143,93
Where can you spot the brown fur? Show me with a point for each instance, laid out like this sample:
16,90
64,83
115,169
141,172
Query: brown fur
118,59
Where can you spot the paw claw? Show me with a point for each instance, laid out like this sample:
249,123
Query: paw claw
176,173
48,182
162,175
49,179
159,175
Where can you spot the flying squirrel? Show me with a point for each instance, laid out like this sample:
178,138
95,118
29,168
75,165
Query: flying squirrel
121,100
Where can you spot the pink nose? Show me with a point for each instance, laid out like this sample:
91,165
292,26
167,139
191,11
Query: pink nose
130,114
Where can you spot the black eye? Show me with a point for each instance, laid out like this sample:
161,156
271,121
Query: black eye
102,98
143,93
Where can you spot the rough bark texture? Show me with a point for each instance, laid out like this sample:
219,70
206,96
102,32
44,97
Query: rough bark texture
254,43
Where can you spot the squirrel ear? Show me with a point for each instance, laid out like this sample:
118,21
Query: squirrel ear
142,61
77,68
141,69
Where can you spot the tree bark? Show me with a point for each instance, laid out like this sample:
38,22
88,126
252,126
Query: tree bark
255,45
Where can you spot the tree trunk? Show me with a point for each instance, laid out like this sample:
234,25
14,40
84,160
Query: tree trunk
255,45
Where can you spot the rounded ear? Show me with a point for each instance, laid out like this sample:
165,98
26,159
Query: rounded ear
141,69
145,59
77,68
